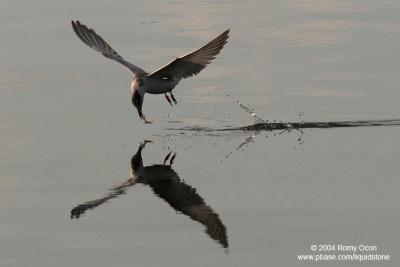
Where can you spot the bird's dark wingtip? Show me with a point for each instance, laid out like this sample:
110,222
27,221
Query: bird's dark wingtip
75,24
226,33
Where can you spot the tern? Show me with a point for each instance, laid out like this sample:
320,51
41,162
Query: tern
168,186
163,80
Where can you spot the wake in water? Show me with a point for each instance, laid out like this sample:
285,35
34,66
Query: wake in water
261,124
270,126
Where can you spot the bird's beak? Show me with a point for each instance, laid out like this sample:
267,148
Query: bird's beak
139,109
142,116
143,144
137,101
144,119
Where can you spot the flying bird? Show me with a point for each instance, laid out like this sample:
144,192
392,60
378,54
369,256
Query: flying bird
163,80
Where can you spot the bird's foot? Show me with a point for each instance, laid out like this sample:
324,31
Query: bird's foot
171,161
168,99
167,157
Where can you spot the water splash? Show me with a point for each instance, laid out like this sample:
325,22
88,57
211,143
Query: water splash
301,114
249,110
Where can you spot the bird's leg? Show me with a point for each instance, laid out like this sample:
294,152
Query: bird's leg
167,157
171,161
168,99
173,97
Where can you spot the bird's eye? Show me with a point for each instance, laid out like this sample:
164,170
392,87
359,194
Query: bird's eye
166,78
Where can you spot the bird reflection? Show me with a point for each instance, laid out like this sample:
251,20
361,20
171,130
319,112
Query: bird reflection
167,185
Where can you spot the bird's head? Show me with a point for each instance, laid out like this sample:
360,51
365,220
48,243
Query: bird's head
137,101
138,95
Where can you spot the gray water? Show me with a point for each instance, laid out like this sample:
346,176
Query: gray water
68,132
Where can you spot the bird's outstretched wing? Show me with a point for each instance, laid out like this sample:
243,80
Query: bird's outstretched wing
194,62
185,199
93,40
114,193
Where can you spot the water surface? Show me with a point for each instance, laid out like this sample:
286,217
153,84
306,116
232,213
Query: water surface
68,132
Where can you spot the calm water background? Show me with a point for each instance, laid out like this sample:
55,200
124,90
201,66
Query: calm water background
68,131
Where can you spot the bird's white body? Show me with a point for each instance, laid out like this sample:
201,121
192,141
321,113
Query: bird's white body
153,86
